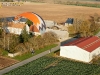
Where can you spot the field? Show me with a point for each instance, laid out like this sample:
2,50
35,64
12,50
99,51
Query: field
48,65
56,12
5,62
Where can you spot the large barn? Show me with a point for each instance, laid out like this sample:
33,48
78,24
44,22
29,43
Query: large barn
82,49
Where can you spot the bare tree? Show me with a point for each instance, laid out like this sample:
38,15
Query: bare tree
84,29
50,37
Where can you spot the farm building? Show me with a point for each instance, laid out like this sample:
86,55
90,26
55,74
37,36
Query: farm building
82,49
62,35
69,22
50,23
16,24
16,28
37,21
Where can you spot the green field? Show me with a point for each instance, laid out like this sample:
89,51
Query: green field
49,65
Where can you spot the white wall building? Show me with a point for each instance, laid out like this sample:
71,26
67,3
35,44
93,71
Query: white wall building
50,23
16,28
83,49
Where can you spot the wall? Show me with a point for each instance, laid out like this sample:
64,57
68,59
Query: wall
15,30
50,23
67,25
74,52
13,54
94,53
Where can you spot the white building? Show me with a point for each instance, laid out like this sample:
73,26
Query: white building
16,28
50,23
82,49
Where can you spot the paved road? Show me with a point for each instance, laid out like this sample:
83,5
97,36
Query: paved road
28,60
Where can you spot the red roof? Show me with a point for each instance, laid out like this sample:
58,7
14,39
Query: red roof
33,28
89,44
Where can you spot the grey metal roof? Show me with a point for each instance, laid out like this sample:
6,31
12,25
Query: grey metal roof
69,21
8,19
23,20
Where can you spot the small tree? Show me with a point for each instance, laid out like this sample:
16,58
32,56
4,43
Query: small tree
24,36
29,23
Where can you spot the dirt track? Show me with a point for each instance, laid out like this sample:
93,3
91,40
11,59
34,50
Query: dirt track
56,12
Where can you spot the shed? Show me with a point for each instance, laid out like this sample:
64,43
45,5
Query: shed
69,21
82,49
50,23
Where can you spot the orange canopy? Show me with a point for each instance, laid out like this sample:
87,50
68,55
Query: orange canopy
31,16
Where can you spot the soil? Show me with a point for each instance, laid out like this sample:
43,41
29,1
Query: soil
5,62
56,12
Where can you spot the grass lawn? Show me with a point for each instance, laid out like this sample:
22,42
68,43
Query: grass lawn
97,31
29,54
3,52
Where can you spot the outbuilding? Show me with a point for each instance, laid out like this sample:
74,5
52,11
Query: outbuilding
82,49
62,35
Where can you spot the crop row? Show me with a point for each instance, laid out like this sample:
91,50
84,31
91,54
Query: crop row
56,66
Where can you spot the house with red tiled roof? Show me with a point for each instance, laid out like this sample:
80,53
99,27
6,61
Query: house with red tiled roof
82,49
16,28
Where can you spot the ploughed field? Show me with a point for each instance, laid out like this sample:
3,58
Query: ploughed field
5,62
49,65
56,12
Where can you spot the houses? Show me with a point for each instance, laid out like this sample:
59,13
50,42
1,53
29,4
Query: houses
18,23
16,28
82,49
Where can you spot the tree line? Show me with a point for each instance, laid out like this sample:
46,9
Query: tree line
85,28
